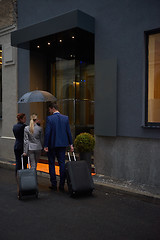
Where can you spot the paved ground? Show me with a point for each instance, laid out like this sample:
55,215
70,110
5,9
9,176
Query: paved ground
56,216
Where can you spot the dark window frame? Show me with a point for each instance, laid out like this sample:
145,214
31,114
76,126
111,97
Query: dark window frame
147,34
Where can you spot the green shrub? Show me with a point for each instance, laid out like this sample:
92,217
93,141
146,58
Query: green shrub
84,142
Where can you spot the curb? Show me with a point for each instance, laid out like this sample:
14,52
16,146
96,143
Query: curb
98,180
116,188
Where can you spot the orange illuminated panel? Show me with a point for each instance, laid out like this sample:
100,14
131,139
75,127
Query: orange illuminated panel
45,168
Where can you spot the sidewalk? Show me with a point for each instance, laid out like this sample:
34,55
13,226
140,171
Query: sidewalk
55,215
128,187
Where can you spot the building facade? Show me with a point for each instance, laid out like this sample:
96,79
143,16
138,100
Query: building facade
102,62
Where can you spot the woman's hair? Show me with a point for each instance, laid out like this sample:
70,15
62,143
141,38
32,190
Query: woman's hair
20,116
33,118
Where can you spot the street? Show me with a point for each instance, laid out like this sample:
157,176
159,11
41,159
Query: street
57,216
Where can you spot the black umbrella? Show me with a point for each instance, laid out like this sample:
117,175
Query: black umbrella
37,96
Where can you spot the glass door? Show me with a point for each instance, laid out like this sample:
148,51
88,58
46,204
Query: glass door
84,97
73,85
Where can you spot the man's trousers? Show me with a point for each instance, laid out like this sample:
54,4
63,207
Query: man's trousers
58,152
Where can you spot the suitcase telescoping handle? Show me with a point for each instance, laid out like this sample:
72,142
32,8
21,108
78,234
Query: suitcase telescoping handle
22,162
70,156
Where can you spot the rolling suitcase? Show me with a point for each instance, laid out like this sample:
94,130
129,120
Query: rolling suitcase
27,181
79,177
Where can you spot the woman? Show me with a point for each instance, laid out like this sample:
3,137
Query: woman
33,141
18,130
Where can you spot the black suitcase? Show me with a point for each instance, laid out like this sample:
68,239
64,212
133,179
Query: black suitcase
27,181
79,177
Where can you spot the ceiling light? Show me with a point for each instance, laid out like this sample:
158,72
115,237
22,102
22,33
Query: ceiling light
38,46
73,37
49,43
60,40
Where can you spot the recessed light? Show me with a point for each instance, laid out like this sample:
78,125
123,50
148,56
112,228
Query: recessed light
73,37
60,40
38,46
49,43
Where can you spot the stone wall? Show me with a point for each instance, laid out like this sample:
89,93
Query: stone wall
8,20
8,13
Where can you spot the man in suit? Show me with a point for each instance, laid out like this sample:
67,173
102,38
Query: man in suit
57,138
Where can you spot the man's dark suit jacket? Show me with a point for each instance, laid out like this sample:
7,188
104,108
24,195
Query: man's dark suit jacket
57,133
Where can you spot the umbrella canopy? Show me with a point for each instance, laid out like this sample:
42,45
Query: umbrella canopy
37,96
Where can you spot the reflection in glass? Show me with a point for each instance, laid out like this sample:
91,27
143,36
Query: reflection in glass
74,89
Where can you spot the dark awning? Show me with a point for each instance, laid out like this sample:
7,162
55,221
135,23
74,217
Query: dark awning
73,19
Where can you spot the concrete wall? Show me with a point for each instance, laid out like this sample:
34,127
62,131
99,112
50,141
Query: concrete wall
129,159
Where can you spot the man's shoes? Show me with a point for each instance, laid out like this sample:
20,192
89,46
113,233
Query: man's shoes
61,188
54,188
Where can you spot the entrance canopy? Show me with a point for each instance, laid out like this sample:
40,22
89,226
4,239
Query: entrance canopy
74,19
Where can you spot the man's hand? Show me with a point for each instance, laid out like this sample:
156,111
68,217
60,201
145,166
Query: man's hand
46,149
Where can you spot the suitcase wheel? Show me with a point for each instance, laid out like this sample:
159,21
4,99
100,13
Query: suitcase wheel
37,194
19,196
72,194
90,192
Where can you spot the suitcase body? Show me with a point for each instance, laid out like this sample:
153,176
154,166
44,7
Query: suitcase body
27,182
79,178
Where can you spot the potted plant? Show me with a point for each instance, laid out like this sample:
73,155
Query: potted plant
84,143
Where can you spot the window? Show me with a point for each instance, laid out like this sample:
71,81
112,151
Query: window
0,81
153,79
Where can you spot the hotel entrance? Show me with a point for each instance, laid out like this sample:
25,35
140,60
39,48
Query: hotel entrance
63,64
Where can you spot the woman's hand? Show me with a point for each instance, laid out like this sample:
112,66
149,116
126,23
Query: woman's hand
71,148
46,149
